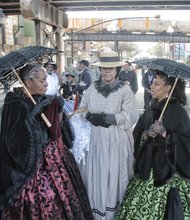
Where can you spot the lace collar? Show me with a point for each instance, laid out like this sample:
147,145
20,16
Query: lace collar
105,89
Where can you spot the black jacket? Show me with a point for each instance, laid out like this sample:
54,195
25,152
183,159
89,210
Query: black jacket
132,78
146,81
83,82
159,153
66,89
21,143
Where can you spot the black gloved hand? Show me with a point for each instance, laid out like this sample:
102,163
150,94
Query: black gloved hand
39,107
97,119
60,101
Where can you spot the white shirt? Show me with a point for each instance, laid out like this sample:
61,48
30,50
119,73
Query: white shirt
53,84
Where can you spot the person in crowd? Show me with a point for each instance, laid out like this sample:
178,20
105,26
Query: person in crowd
94,73
112,111
128,74
67,87
188,61
124,77
84,80
162,168
39,178
147,79
53,78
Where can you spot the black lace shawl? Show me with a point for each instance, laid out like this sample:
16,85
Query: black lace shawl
106,89
159,153
21,143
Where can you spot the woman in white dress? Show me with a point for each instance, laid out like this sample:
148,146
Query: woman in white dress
112,112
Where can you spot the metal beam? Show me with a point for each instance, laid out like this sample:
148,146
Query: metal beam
130,37
13,6
43,11
100,1
36,10
86,5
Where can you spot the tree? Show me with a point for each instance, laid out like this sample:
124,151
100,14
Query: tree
126,50
157,50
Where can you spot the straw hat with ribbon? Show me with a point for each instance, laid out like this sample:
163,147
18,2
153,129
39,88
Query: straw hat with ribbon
109,59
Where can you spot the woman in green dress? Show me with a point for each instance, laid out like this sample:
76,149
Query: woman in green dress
162,153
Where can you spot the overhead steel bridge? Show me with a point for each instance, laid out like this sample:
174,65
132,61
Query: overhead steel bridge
131,37
13,7
45,13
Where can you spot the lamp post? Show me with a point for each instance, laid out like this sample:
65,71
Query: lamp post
79,54
65,37
2,37
170,30
91,50
72,48
179,52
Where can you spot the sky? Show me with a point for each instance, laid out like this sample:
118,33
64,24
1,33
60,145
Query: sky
164,14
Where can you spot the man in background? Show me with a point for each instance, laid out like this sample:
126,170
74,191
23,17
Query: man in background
84,80
128,74
67,87
94,73
147,80
53,78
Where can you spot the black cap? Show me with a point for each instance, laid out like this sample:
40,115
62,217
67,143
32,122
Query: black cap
51,62
129,63
85,62
70,74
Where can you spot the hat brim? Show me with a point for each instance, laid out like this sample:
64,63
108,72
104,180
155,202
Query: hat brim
109,64
69,75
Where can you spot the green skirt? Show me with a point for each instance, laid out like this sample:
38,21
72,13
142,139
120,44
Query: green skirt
144,201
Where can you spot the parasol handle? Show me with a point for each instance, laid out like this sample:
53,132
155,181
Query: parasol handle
32,99
77,111
163,110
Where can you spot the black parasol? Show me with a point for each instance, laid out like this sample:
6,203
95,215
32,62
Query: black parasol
143,62
170,67
15,60
18,58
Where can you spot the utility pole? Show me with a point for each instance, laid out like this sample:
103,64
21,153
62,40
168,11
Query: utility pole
72,47
2,30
